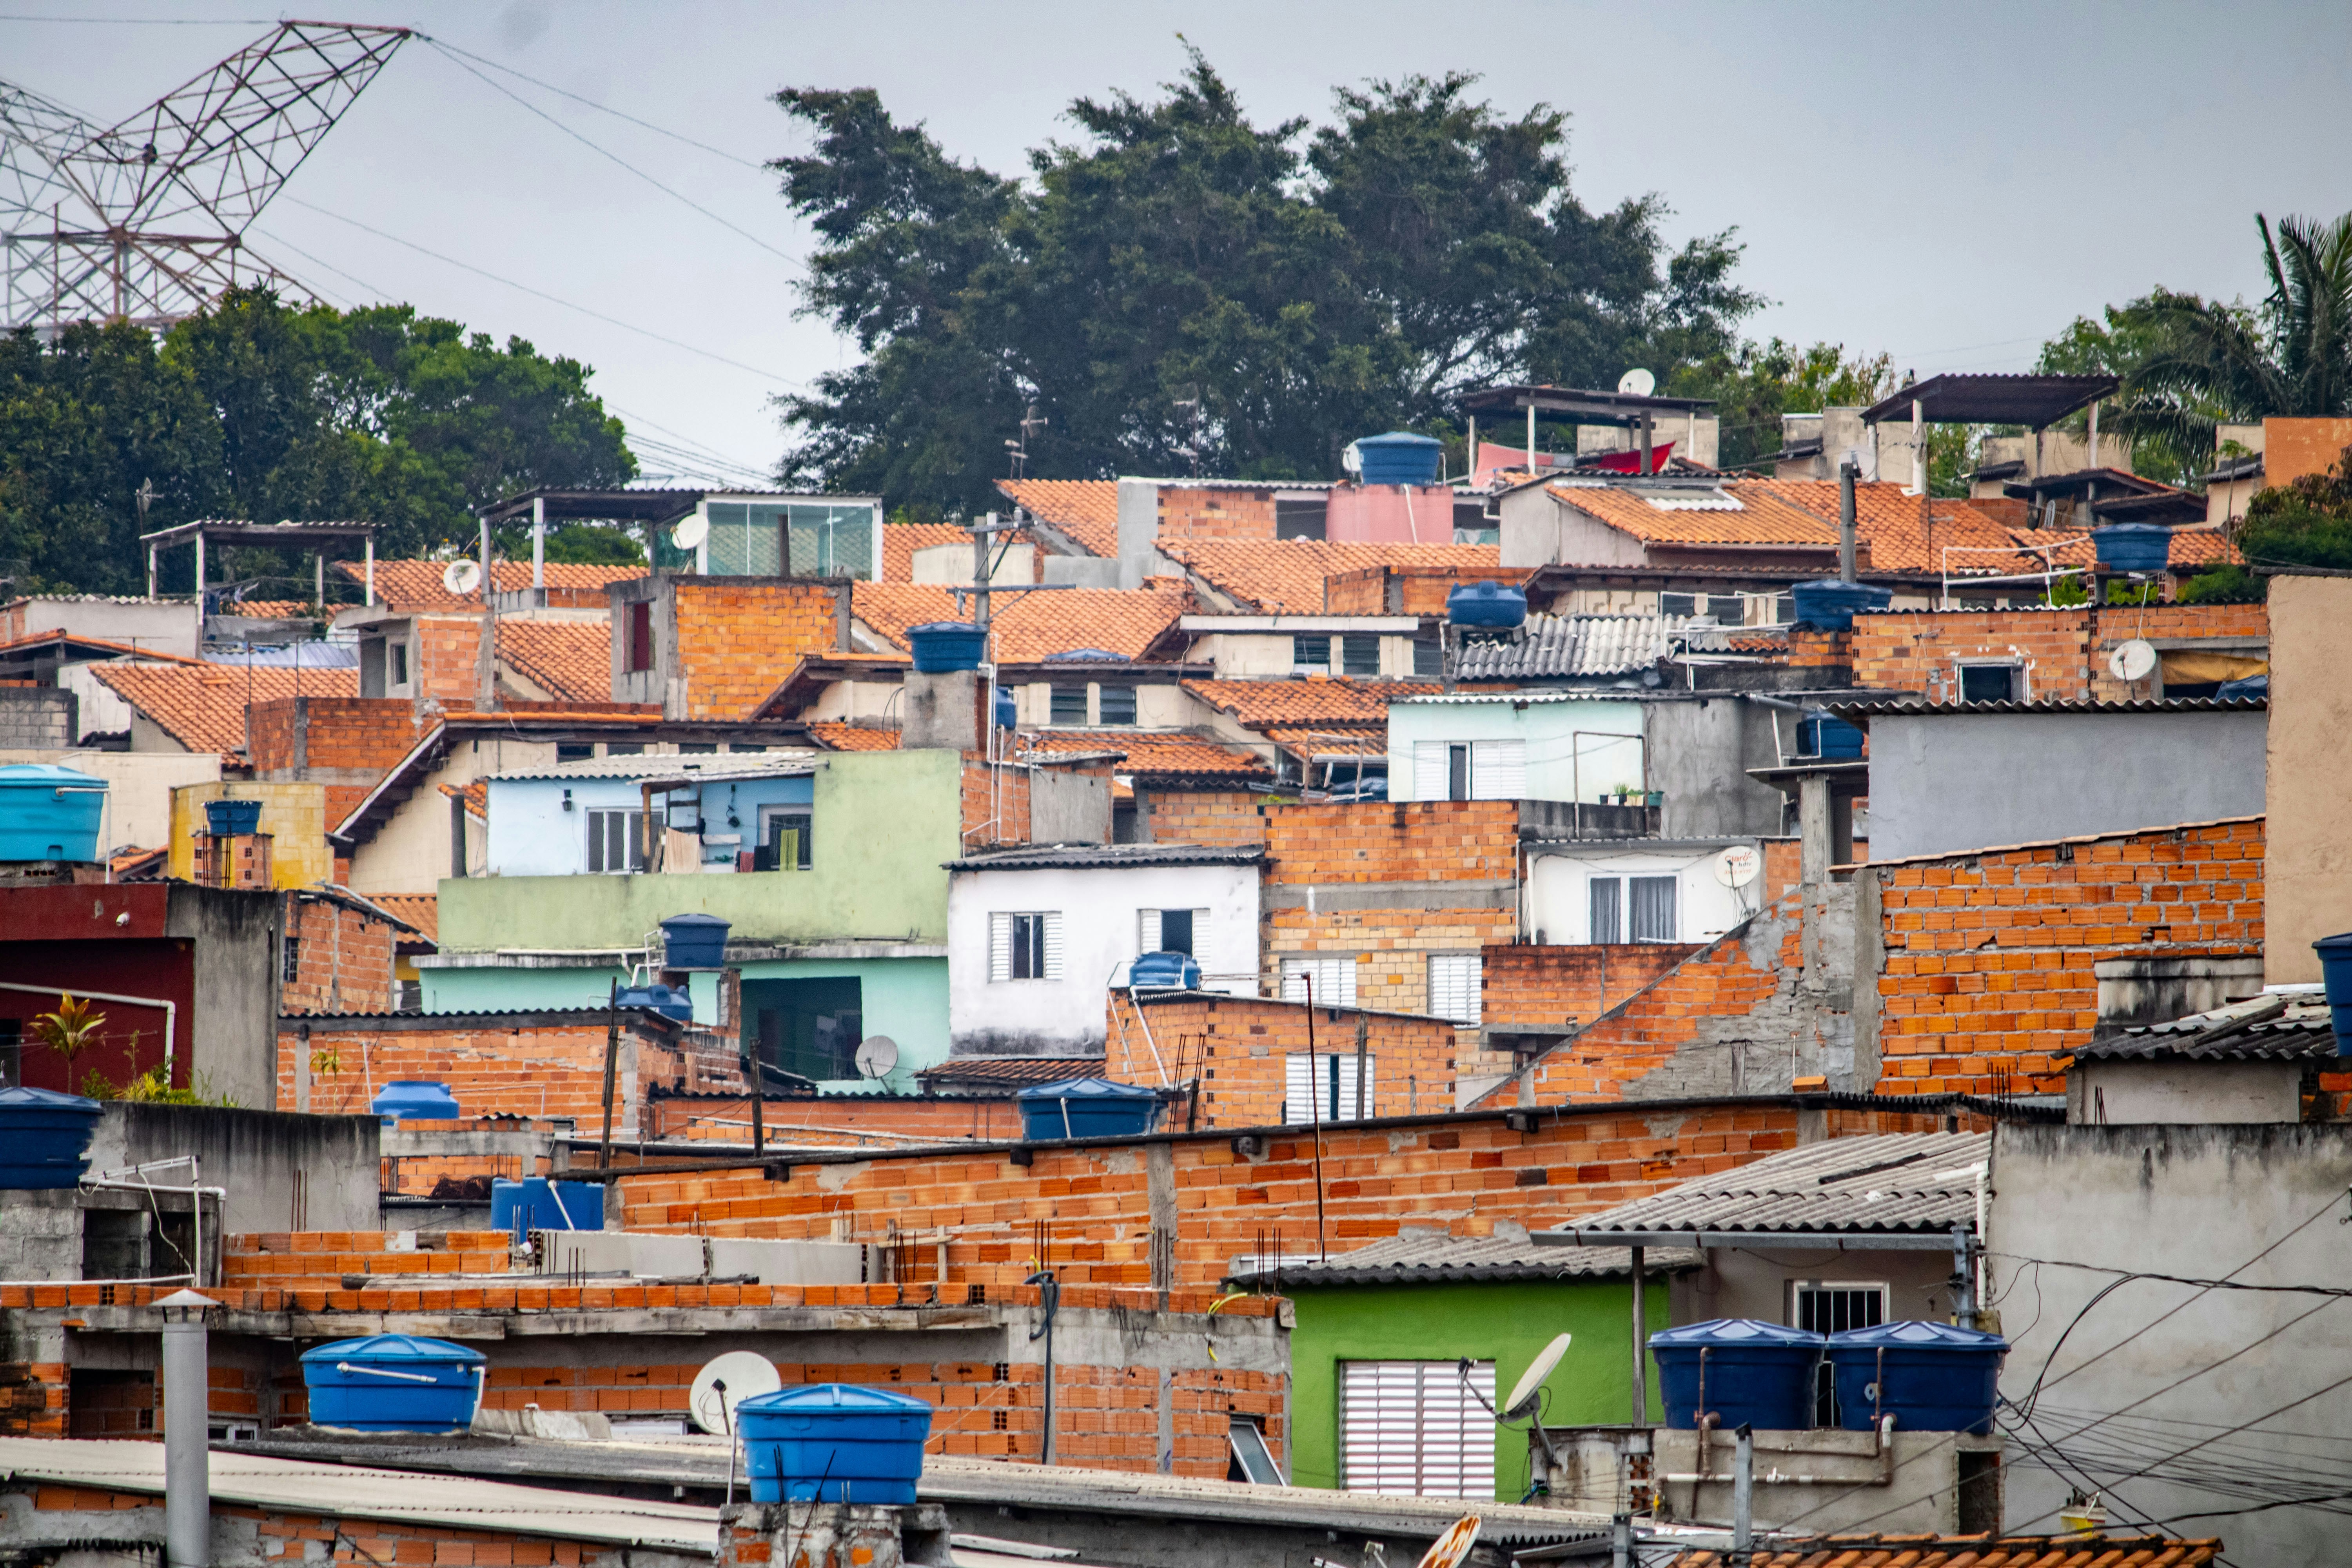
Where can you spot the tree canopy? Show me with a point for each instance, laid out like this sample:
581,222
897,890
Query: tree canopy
262,410
1181,285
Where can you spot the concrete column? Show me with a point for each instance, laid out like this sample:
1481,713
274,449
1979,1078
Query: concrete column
941,711
187,1466
1814,808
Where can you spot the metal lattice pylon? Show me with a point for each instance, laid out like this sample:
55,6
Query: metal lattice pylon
146,221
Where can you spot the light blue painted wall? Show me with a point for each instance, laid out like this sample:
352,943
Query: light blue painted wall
1551,731
905,998
531,834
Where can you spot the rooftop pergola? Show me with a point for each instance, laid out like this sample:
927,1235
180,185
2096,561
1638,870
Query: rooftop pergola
1578,406
317,537
2036,402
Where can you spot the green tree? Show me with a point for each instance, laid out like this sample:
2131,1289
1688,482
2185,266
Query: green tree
1753,385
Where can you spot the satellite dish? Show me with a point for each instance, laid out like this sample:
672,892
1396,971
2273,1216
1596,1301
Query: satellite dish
1454,1545
1351,459
1529,1390
877,1055
1737,866
727,1381
689,533
1637,382
460,576
2132,661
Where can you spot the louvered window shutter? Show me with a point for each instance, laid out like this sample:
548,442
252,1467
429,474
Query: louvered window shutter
1498,770
1335,980
595,841
1201,948
1000,947
1345,1110
1429,765
1053,967
1147,931
1413,1429
1453,986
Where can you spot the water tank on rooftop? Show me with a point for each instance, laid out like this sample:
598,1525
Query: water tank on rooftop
1823,735
668,1001
1086,656
49,812
694,941
1831,604
2133,546
1164,971
232,818
2336,973
415,1100
1487,605
1008,713
535,1203
1085,1108
941,646
1931,1377
834,1442
43,1136
393,1383
1399,458
1742,1369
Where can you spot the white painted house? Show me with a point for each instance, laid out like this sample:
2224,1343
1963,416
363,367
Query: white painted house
1634,890
1037,936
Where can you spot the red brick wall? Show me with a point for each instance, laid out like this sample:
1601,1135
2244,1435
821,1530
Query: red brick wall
1220,513
32,1399
298,1537
1415,841
737,637
1810,648
1404,590
550,1069
1990,957
1239,1048
2068,648
344,962
446,659
838,1119
1531,989
1219,817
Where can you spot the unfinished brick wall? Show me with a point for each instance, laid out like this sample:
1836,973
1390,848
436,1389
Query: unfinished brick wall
1224,513
995,803
445,663
32,1398
1405,841
1240,1048
1540,990
836,1119
1225,817
1404,590
1816,647
736,638
1989,973
493,1068
2114,627
1391,947
343,959
2067,649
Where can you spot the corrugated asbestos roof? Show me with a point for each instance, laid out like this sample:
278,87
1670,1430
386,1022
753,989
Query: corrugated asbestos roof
2276,1027
1009,1071
1968,1552
1569,645
1896,1182
1091,857
1427,1259
1914,706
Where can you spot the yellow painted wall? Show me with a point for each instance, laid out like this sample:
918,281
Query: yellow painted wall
294,815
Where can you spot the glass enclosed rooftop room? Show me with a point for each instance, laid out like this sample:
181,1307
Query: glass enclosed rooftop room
724,533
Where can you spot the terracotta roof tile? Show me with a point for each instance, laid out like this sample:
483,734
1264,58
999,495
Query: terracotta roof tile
1968,1552
853,737
1148,752
411,585
268,609
1314,701
572,661
476,796
1085,511
1321,741
1285,575
421,910
1029,626
901,540
129,649
202,706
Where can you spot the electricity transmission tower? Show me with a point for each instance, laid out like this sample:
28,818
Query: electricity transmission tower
145,221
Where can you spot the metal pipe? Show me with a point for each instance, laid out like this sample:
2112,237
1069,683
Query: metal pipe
1049,1297
1845,521
170,1011
1641,1322
538,548
187,1480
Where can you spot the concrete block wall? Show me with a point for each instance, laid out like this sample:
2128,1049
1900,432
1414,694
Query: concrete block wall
1240,1048
36,718
1990,957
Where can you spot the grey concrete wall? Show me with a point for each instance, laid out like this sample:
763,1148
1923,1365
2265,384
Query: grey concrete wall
235,1019
40,1236
1068,808
1968,780
940,709
2073,1207
1754,1283
266,1160
2120,1093
1700,752
37,717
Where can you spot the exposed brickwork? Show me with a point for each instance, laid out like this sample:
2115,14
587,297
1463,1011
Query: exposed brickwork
1990,957
1219,817
1415,841
343,963
1815,647
446,661
837,1119
736,638
995,804
1391,946
32,1399
319,1258
2067,649
1534,990
1224,511
1240,1048
1405,590
492,1069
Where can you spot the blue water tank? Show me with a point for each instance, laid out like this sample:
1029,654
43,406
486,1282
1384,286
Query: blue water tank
1486,605
1085,1108
1165,971
415,1100
1086,656
694,941
943,646
2246,688
2336,974
666,1000
231,818
834,1442
1399,458
1822,735
46,813
1931,1377
1742,1369
1372,787
1008,713
43,1136
535,1203
1831,604
393,1383
2133,546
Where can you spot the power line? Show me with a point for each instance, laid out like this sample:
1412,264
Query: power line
151,21
592,103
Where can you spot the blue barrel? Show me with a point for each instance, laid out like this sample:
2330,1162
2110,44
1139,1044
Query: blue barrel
943,646
1831,604
1931,1377
393,1383
1821,734
1486,605
1085,1108
43,1136
1742,1369
48,812
2336,973
834,1442
2133,546
415,1100
1165,971
232,818
694,941
666,1000
1399,458
535,1203
1008,713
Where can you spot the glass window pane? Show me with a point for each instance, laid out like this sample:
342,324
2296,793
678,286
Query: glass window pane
1118,704
1310,651
1360,654
1608,918
1069,705
1653,909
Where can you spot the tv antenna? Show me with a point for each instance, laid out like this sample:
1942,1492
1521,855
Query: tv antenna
2134,661
1018,451
1526,1401
689,533
877,1055
145,221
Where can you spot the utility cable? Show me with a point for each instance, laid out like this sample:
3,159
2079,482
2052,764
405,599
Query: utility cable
449,49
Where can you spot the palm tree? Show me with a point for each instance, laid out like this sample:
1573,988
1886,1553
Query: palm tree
2211,363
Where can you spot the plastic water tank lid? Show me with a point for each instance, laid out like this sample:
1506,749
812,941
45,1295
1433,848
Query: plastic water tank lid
1920,1331
1086,1089
391,1347
832,1397
1736,1331
22,1098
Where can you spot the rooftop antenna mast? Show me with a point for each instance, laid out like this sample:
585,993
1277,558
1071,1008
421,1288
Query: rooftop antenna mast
1018,451
145,221
1191,408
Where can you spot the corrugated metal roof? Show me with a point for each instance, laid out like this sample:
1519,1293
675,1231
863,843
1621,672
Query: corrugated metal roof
2276,1027
1089,856
1916,707
1586,646
1895,1182
1425,1259
1967,1552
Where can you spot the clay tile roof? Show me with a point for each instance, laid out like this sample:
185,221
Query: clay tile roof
268,609
1887,520
1968,1552
421,910
202,706
1085,511
1011,1072
852,737
476,796
411,585
1285,575
1146,753
572,661
1316,740
72,639
1029,626
901,540
1314,700
1805,513
2191,547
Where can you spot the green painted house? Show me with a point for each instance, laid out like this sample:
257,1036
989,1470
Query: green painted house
1380,1401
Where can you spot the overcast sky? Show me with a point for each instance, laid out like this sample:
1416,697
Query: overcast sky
1950,184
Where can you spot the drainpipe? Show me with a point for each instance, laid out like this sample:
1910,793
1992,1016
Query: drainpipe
170,1011
187,1480
1845,520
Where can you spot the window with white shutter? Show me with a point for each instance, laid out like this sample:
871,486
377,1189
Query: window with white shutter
1453,985
1172,931
1323,1088
1498,770
1429,764
1411,1428
1024,946
1147,932
1335,980
1052,969
1000,947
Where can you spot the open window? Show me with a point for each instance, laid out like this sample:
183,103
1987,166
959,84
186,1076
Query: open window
1992,682
1247,1457
1171,930
784,836
616,841
811,1027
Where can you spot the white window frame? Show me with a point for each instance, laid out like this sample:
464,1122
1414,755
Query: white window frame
1800,1289
1456,995
1001,928
636,841
1498,770
1335,978
1147,933
1410,1428
1324,1089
